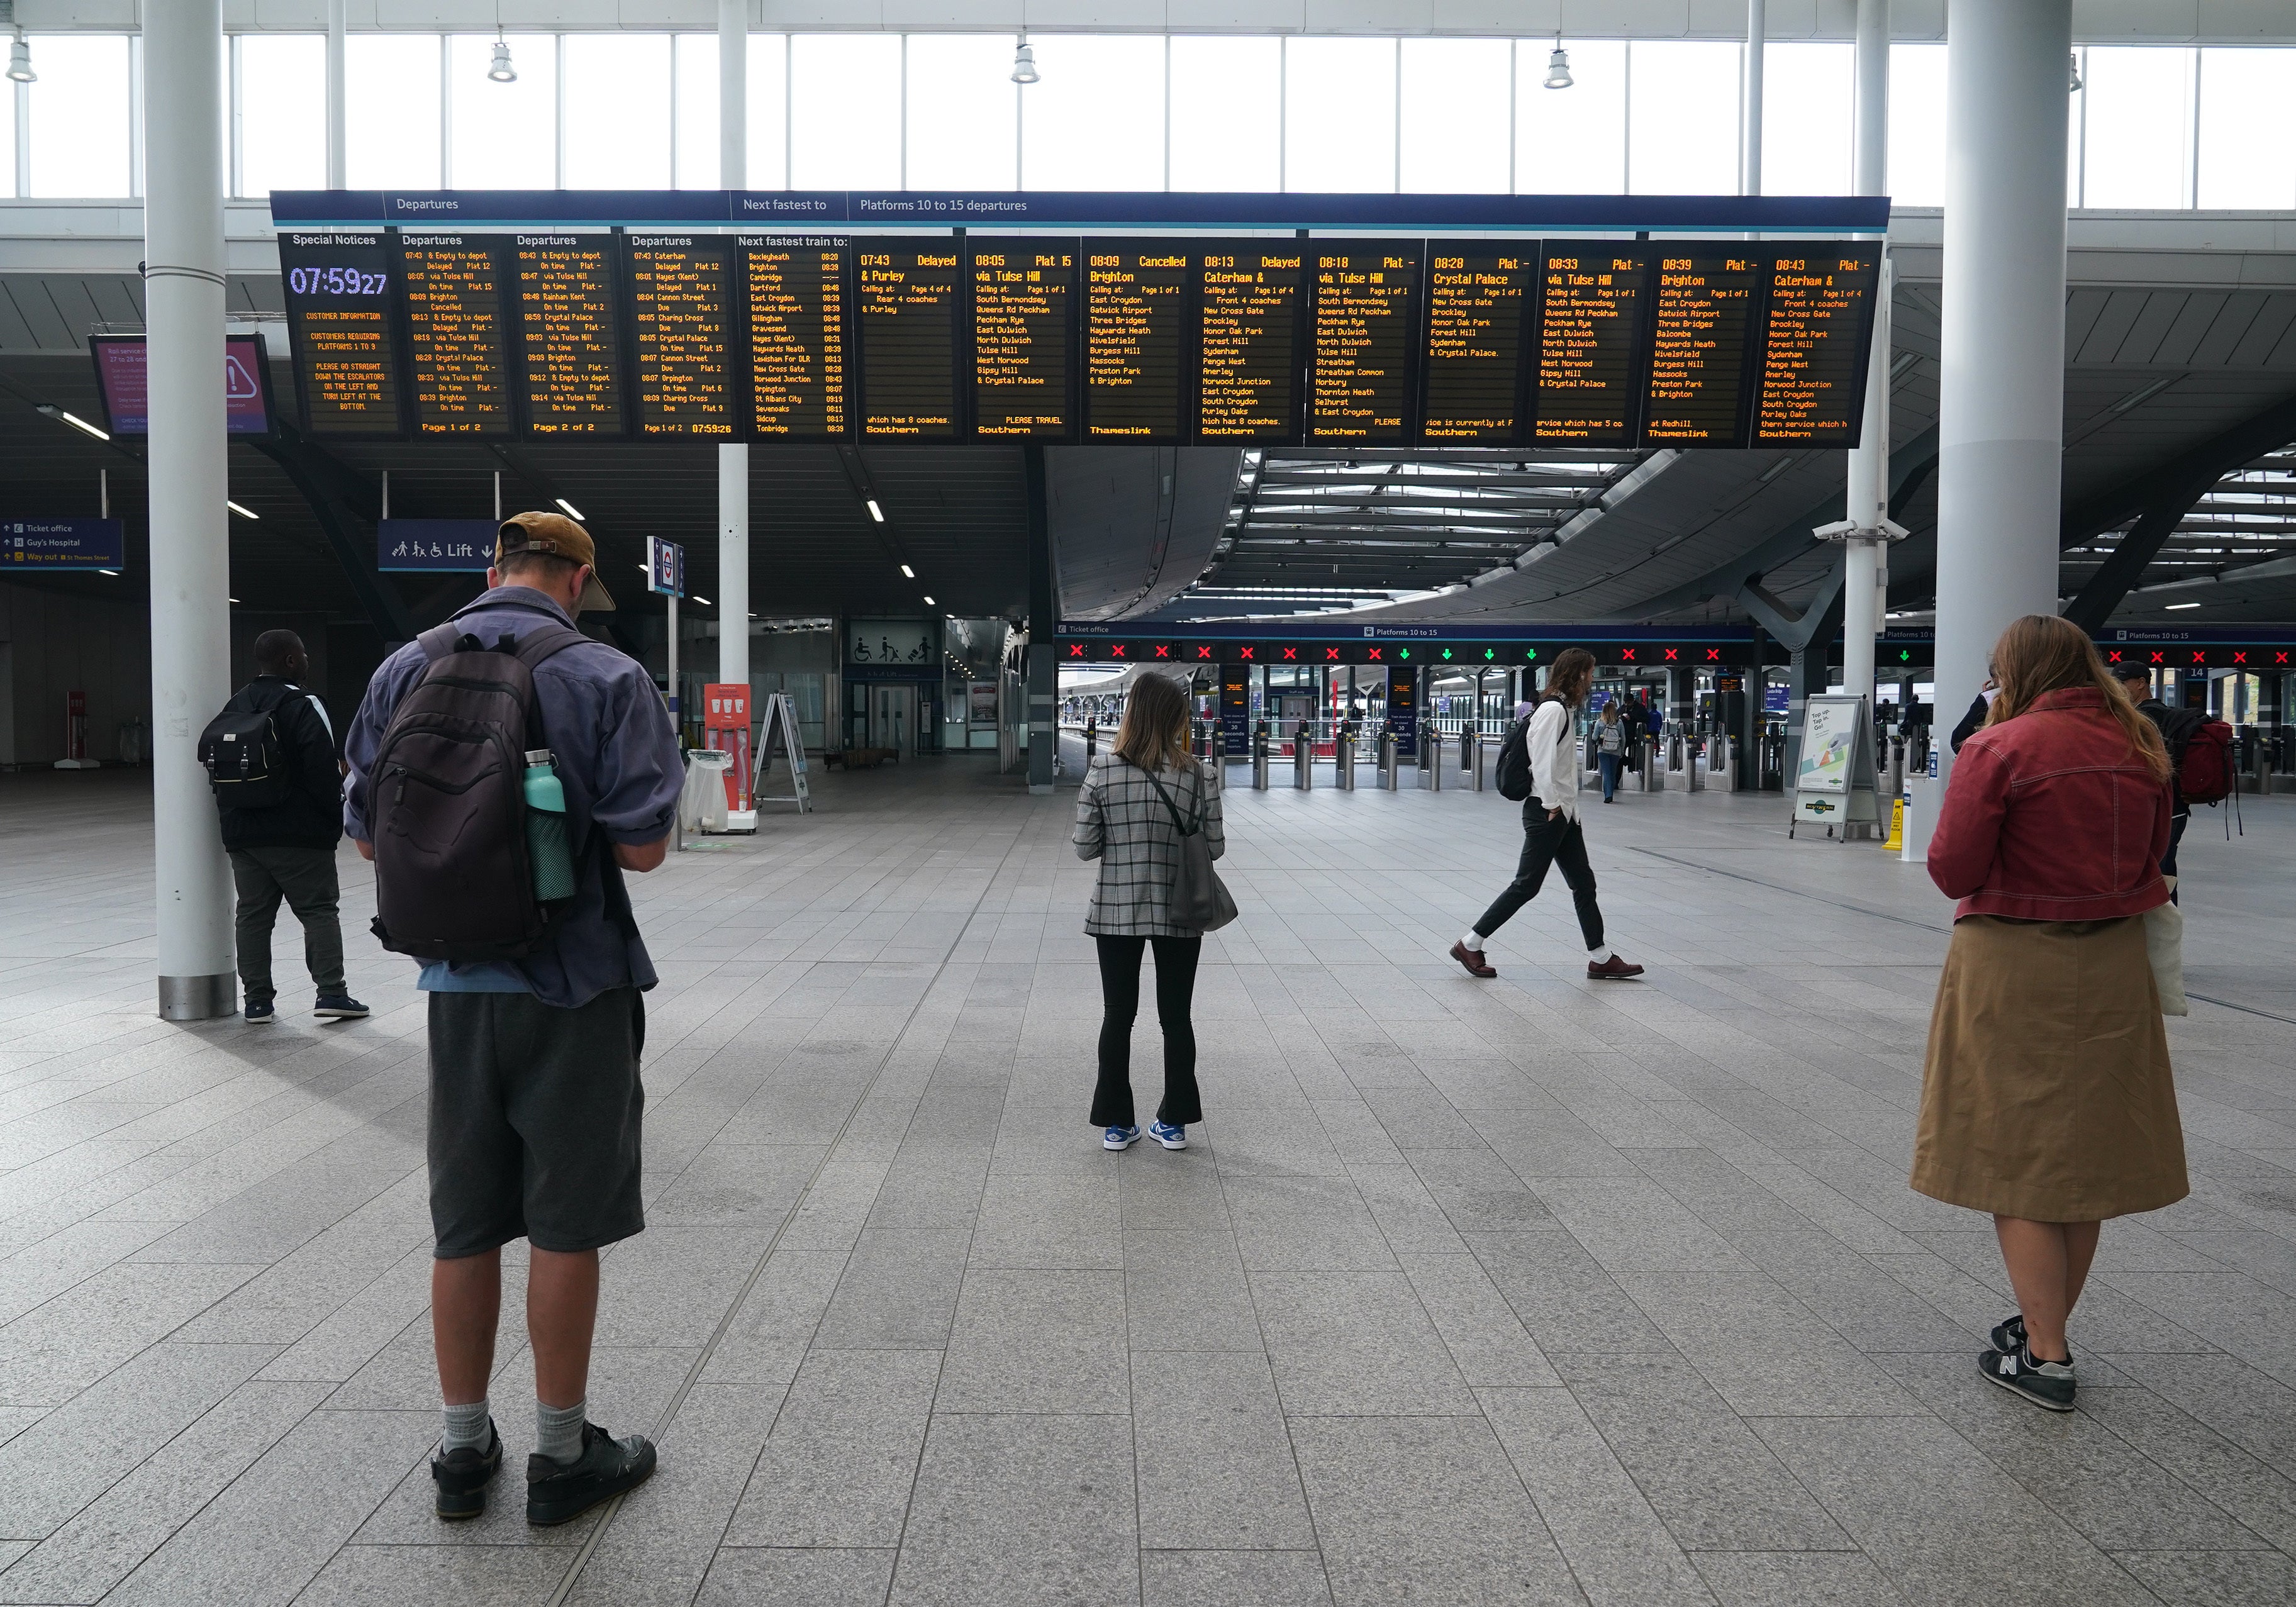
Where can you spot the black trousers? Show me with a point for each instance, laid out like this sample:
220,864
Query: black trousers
1119,993
1547,842
2176,825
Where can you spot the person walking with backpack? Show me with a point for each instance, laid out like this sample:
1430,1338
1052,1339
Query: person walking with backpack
1125,819
278,792
2047,1096
505,770
1551,835
1610,749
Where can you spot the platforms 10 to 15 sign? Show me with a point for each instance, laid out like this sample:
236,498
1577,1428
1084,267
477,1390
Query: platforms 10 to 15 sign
786,336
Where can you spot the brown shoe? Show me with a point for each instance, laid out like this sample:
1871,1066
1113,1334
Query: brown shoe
1614,970
1472,959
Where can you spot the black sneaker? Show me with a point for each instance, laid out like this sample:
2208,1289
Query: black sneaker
2009,1334
338,1006
462,1475
2048,1385
260,1011
557,1491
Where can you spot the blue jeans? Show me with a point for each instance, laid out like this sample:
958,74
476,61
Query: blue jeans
1610,767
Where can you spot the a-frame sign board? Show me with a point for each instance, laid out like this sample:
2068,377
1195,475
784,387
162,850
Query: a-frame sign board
780,734
1836,785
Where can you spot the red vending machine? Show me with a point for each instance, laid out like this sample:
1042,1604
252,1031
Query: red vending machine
725,728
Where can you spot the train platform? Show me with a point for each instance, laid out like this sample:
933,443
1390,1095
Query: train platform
1524,1290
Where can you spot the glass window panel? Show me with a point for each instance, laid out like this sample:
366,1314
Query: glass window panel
1094,118
2139,141
617,102
1572,141
8,140
963,122
391,112
80,115
845,112
283,112
696,111
2248,129
1457,116
1808,100
1917,125
768,111
2076,107
505,135
1682,118
1227,130
1338,114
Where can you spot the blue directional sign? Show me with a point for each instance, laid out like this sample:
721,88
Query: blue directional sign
665,567
451,544
51,545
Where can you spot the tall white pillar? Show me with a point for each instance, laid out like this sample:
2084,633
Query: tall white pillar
338,118
2002,338
1865,561
734,457
1750,94
191,566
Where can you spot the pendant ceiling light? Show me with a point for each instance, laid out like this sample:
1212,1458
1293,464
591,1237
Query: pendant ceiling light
1024,62
19,62
1558,67
501,71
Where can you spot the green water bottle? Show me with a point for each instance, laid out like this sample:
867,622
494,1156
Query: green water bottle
546,853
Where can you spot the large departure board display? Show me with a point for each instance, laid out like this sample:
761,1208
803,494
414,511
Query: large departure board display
1137,340
1363,344
909,302
1591,349
1820,314
1023,339
1477,303
570,365
682,322
796,289
782,334
1705,307
341,322
457,346
1249,307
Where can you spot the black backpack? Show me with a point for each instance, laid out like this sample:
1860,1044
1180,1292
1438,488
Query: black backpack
447,800
245,761
1514,773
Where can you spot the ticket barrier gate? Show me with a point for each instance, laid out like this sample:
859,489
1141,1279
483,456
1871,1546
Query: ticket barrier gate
1470,757
1431,760
1653,778
1303,759
1343,756
1390,760
1259,746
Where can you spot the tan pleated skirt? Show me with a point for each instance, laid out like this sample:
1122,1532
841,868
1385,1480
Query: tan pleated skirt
2047,1093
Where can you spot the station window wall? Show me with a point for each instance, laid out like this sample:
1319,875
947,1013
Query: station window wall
2155,128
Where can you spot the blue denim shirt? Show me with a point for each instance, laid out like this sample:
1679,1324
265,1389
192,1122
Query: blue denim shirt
617,757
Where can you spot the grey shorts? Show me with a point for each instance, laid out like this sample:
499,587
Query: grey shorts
535,1121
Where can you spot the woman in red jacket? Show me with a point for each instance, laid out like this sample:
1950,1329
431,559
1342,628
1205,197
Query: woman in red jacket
2046,1099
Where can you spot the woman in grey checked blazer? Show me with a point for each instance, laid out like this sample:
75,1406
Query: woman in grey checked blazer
1123,821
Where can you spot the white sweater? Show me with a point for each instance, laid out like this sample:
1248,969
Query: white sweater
1553,758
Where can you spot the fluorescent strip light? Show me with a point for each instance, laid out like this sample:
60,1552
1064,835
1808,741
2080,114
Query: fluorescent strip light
908,572
2174,606
572,511
107,571
83,426
242,512
929,599
875,512
705,602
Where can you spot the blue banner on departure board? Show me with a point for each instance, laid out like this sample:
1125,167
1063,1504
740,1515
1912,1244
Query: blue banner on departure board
53,544
439,544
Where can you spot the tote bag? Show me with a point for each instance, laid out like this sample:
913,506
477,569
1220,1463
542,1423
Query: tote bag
2164,946
1199,899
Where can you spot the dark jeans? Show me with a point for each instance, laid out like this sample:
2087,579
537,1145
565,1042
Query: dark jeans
1610,767
2177,824
1559,841
305,879
1119,993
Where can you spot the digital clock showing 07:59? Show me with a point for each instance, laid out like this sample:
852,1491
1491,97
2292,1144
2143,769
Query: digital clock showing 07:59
334,281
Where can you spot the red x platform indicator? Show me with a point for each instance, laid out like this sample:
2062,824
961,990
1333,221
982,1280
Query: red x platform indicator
1203,653
1673,652
1330,652
1627,652
1163,652
2240,658
2159,658
1713,655
2200,657
2113,657
1115,652
1375,654
1077,651
1247,652
2280,657
1291,652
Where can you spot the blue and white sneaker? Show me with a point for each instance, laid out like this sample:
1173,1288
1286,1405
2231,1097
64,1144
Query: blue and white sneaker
1172,1136
1119,1138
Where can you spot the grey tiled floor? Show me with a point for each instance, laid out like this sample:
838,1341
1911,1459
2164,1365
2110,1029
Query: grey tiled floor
1511,1292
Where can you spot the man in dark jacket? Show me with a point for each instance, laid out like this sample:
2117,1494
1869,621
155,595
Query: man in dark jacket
2176,727
288,850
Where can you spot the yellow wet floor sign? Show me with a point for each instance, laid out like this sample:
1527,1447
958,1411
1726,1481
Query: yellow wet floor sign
1896,843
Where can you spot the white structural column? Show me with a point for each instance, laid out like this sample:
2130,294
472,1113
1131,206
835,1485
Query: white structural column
1866,559
733,459
1750,98
338,115
190,565
2002,338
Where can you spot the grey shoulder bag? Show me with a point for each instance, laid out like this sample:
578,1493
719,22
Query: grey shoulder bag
1199,899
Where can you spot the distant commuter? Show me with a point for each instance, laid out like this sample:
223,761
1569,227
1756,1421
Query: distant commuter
1550,831
1610,749
1973,718
1124,820
2176,727
2047,1099
535,1092
282,847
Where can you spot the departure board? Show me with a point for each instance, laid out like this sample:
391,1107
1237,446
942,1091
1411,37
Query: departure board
1248,301
910,300
1135,341
1819,318
570,368
1590,318
341,309
1477,303
796,292
1023,306
1705,305
1362,338
459,377
682,320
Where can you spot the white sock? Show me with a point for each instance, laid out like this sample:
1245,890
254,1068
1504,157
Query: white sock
1472,941
558,1431
1599,955
465,1425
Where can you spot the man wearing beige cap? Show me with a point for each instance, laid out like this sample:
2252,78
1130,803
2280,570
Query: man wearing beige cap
535,1094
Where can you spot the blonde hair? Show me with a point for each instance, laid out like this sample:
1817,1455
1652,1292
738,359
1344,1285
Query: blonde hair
1154,735
2042,653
